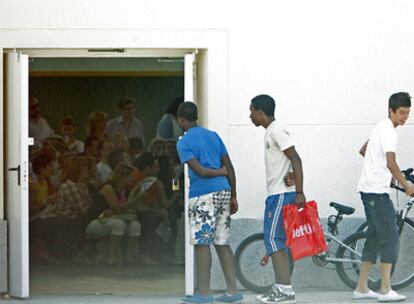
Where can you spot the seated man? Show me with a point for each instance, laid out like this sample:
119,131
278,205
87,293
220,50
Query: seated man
67,130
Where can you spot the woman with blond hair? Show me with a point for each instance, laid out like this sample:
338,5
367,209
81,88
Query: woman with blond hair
96,124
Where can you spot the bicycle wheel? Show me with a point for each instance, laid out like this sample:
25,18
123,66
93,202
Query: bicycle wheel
349,271
403,272
250,272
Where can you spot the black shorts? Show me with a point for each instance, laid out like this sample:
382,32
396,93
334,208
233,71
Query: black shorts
382,234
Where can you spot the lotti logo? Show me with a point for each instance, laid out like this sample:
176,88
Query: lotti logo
302,230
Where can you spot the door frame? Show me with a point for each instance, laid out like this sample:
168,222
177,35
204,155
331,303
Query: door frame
212,61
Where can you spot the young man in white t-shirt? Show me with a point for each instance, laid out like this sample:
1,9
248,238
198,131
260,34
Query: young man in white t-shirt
378,170
280,158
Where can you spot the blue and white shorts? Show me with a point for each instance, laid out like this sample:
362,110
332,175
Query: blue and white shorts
274,235
209,218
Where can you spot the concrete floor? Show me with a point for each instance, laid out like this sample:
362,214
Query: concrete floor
164,284
107,280
306,296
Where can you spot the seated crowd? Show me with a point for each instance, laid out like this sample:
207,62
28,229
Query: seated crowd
105,199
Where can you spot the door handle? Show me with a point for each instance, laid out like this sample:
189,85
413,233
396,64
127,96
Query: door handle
18,173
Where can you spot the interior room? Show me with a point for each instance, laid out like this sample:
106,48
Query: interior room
67,92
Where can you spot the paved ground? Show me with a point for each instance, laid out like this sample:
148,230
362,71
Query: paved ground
303,297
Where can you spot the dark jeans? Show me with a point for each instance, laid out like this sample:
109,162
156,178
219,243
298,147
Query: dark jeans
151,243
62,236
382,233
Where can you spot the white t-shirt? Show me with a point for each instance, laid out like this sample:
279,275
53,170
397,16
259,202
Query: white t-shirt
40,130
77,147
276,140
376,177
103,171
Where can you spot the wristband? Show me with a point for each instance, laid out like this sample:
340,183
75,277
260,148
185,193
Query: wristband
299,192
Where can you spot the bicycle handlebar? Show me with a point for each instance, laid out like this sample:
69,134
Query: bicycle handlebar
408,176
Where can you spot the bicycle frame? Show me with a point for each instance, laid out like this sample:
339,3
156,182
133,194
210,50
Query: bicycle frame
329,237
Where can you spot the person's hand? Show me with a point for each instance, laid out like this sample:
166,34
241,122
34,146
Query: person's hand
234,206
289,179
410,190
223,171
300,199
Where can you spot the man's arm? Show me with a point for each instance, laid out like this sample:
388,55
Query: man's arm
396,173
231,176
363,149
297,173
205,172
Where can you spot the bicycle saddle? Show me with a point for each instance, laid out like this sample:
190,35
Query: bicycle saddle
342,209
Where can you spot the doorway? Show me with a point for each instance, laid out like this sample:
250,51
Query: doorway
16,235
75,88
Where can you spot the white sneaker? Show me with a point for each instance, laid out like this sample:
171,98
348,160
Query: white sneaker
260,297
391,296
356,295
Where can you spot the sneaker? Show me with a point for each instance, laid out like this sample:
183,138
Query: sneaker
266,294
228,298
391,296
197,298
278,296
356,295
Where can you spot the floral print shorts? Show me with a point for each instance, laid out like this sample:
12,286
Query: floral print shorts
209,218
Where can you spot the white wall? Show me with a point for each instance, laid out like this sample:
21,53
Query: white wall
331,66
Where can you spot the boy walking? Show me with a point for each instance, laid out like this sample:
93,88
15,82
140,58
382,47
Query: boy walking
379,168
212,200
280,158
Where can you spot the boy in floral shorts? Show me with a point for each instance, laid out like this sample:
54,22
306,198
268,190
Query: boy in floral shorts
212,198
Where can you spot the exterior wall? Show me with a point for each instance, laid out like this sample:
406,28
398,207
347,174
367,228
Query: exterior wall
330,65
331,77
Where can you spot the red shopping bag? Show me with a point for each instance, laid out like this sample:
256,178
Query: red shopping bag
304,233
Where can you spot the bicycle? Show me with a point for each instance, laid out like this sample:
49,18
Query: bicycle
402,273
254,273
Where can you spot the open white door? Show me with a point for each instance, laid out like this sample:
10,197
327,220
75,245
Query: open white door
16,178
190,85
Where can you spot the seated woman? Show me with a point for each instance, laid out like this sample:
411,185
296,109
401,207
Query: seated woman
152,208
41,208
73,203
156,146
117,221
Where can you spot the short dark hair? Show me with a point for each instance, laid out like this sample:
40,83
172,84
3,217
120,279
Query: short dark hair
188,111
126,101
68,121
173,106
398,100
41,161
115,157
265,103
144,160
